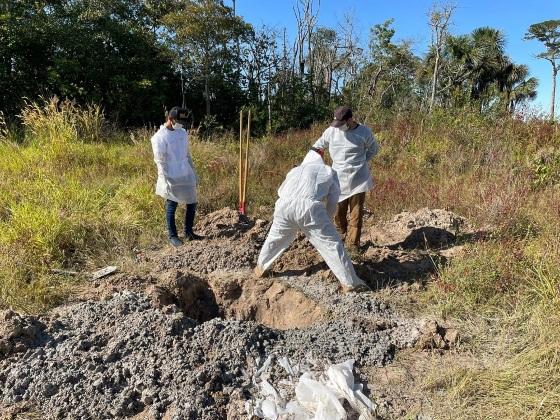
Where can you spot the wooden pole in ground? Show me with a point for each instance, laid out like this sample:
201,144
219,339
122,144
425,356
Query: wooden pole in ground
240,159
246,159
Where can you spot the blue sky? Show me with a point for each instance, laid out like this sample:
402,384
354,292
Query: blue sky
513,17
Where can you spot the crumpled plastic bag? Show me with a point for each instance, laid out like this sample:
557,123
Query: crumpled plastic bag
341,379
317,398
318,395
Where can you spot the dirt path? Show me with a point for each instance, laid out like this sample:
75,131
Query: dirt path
182,335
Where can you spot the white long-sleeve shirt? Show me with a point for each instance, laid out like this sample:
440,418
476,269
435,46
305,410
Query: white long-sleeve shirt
350,152
176,174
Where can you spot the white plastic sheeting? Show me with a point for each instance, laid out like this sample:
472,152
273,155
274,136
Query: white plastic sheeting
309,395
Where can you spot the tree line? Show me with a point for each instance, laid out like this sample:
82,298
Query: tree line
137,57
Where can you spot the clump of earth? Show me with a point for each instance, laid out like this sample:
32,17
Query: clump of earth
184,340
425,228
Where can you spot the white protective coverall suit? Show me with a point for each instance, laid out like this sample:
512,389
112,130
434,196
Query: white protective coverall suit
176,175
301,206
350,151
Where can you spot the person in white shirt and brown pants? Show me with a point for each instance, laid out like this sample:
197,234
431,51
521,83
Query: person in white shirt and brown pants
351,146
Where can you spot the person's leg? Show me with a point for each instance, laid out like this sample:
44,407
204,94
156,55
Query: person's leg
340,218
324,237
356,210
279,238
190,213
170,208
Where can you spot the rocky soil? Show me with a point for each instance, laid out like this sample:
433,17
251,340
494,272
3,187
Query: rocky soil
184,339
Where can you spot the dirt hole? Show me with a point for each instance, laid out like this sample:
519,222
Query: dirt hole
239,297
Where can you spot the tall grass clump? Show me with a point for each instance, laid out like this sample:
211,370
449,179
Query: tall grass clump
55,121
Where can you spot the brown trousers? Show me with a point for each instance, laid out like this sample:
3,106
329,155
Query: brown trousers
350,225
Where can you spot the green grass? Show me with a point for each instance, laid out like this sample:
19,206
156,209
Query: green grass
76,193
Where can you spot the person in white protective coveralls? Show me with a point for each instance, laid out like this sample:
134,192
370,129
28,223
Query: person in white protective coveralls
177,180
351,146
307,202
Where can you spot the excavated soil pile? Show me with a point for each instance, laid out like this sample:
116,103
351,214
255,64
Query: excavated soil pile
120,357
135,354
404,247
233,243
423,228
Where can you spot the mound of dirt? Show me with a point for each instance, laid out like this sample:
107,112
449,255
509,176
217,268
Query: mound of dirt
206,256
228,223
378,266
143,354
121,357
231,243
432,228
18,333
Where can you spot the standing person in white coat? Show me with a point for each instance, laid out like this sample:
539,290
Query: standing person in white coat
351,146
307,202
177,178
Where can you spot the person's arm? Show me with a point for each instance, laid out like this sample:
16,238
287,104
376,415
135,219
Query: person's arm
372,147
189,157
333,195
323,141
159,147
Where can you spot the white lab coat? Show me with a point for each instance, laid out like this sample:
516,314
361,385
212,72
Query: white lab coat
307,201
350,152
176,175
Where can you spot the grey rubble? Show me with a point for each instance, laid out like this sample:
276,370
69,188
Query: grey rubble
115,358
123,356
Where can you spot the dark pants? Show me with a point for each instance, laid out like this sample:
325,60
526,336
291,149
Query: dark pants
170,208
349,217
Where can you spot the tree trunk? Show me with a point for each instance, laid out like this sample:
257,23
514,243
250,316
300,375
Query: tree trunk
206,79
269,104
434,82
554,72
207,94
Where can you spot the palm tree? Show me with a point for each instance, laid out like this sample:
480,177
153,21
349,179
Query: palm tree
487,60
516,86
475,62
548,32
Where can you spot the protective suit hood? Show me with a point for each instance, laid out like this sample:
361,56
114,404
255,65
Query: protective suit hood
312,157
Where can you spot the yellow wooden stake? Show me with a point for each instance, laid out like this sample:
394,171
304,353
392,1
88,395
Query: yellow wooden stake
246,158
240,158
